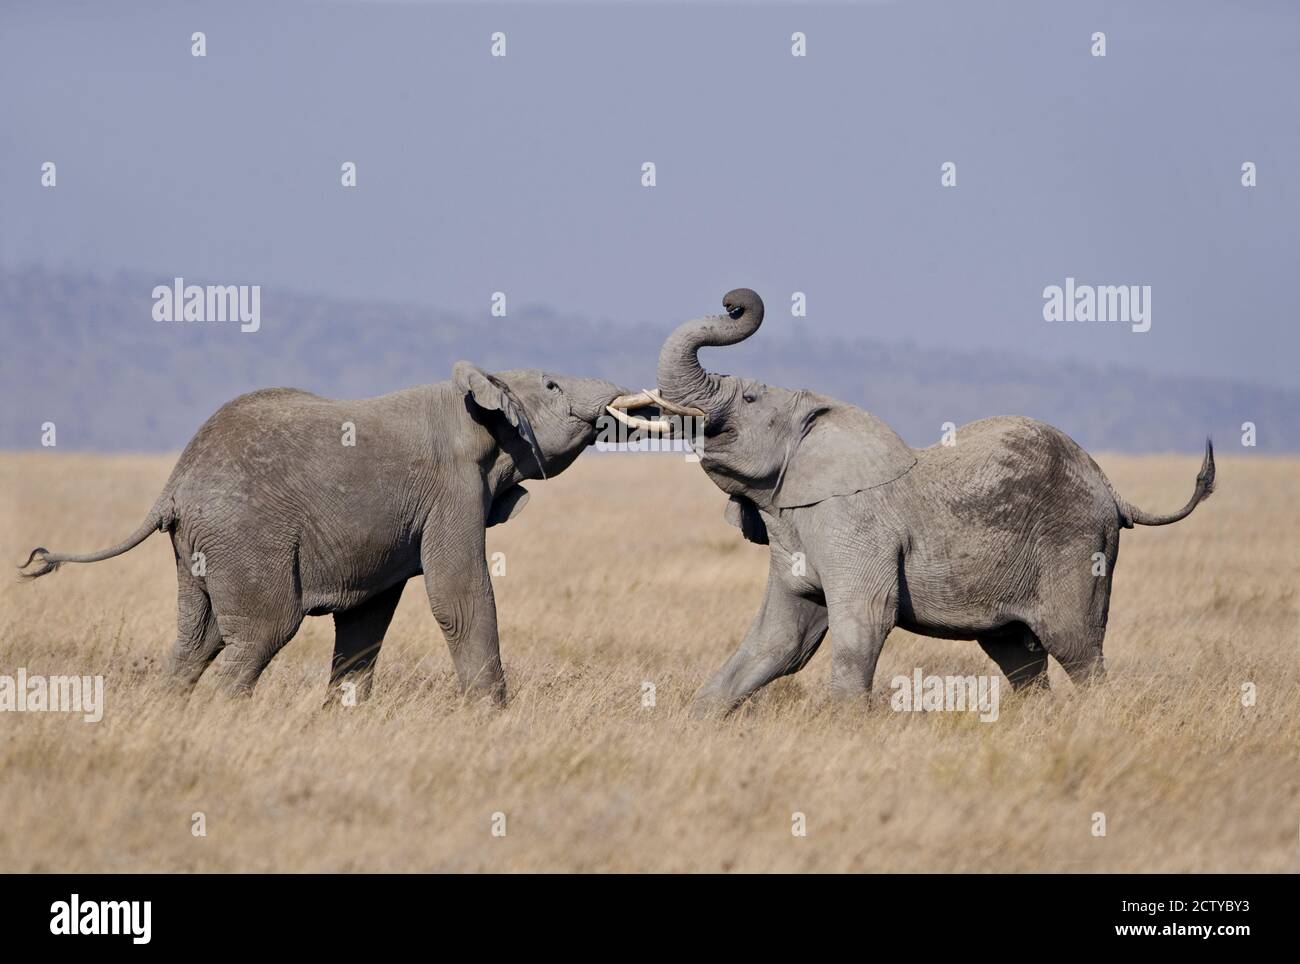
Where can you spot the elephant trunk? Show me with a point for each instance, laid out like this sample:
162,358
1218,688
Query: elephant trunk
681,377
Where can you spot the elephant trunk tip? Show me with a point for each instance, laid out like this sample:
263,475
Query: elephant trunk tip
743,303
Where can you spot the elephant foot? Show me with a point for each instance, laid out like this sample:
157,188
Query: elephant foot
348,690
1086,673
491,694
850,693
709,710
711,704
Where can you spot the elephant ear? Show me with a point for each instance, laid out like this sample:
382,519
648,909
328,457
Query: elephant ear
492,394
837,449
507,505
744,515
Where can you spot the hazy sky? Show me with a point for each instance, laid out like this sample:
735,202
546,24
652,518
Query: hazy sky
819,174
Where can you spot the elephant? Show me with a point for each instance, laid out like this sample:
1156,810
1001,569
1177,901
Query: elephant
286,504
1008,537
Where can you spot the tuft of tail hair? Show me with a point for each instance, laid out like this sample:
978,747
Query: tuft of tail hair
1205,478
47,565
1131,514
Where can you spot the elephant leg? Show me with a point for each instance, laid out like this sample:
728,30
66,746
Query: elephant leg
782,638
861,616
358,635
1078,650
460,595
1019,655
856,642
198,638
251,642
1074,627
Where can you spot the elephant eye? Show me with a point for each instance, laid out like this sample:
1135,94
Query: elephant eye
748,396
551,386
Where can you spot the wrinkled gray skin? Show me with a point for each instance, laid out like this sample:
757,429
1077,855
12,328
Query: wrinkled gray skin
991,539
292,522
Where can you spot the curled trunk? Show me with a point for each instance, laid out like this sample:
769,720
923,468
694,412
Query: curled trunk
681,377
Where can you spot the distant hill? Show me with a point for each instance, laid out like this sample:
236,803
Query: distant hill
85,353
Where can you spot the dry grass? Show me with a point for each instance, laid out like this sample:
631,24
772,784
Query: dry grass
1189,779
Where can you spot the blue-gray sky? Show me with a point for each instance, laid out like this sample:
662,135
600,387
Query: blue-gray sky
819,174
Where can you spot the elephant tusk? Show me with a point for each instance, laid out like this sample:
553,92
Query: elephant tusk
651,396
667,406
638,400
656,426
643,398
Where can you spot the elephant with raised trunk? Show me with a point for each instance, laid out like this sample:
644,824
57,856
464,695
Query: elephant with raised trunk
286,505
1008,537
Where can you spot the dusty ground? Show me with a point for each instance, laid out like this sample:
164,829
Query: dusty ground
619,573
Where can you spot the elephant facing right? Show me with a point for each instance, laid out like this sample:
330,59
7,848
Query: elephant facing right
1008,537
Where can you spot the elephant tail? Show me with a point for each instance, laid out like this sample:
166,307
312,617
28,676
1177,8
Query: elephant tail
1131,514
158,518
50,561
162,517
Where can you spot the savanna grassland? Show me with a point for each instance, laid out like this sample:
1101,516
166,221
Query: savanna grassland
623,572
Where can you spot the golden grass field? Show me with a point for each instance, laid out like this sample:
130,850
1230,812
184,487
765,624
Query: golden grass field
623,571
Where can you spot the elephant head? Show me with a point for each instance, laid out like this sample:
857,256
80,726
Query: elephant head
542,420
768,447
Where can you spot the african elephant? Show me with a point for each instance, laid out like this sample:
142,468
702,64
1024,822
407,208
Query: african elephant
286,505
1009,536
